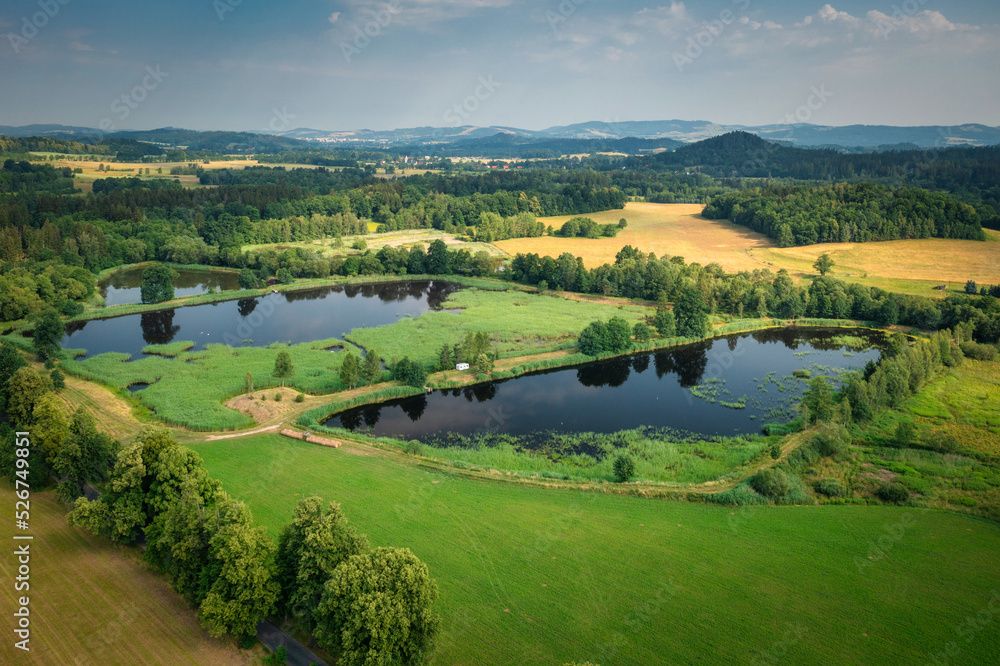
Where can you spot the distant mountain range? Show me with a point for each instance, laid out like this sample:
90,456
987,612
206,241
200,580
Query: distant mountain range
682,131
631,137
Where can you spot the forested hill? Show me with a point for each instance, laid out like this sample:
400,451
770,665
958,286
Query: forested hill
971,174
747,155
798,215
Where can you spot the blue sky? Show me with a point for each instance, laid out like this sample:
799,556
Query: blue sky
349,64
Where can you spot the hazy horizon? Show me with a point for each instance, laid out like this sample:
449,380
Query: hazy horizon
348,65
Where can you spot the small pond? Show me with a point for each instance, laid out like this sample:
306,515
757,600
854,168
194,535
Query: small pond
293,317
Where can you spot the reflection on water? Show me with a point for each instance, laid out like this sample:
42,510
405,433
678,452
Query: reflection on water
620,393
124,287
293,317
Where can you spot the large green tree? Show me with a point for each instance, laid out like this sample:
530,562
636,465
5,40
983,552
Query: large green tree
437,258
157,284
85,457
242,557
310,548
823,264
25,389
350,370
691,313
49,331
377,608
371,369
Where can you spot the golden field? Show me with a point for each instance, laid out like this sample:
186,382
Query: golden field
911,266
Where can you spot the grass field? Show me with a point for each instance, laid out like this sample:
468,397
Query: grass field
912,267
93,603
964,403
535,576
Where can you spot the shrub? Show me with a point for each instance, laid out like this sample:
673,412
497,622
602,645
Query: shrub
247,642
978,352
904,434
776,451
894,493
829,442
771,483
830,488
277,397
300,398
624,467
413,447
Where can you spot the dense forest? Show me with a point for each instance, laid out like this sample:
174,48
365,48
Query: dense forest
799,215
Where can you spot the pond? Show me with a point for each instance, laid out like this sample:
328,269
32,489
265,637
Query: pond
123,287
292,317
728,386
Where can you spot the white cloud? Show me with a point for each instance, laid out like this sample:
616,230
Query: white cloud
830,15
80,46
665,20
334,17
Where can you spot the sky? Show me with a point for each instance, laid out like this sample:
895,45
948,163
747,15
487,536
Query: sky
253,65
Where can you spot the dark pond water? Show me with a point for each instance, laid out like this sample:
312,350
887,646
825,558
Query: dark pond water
669,389
293,317
123,287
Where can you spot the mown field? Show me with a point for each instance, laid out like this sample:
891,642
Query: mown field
545,577
665,229
93,603
407,238
912,267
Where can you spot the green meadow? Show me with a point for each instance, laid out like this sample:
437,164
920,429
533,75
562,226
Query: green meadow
530,575
522,322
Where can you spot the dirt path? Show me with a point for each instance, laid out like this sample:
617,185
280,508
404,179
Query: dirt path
244,433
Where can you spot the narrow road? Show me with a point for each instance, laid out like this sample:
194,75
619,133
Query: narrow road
298,654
